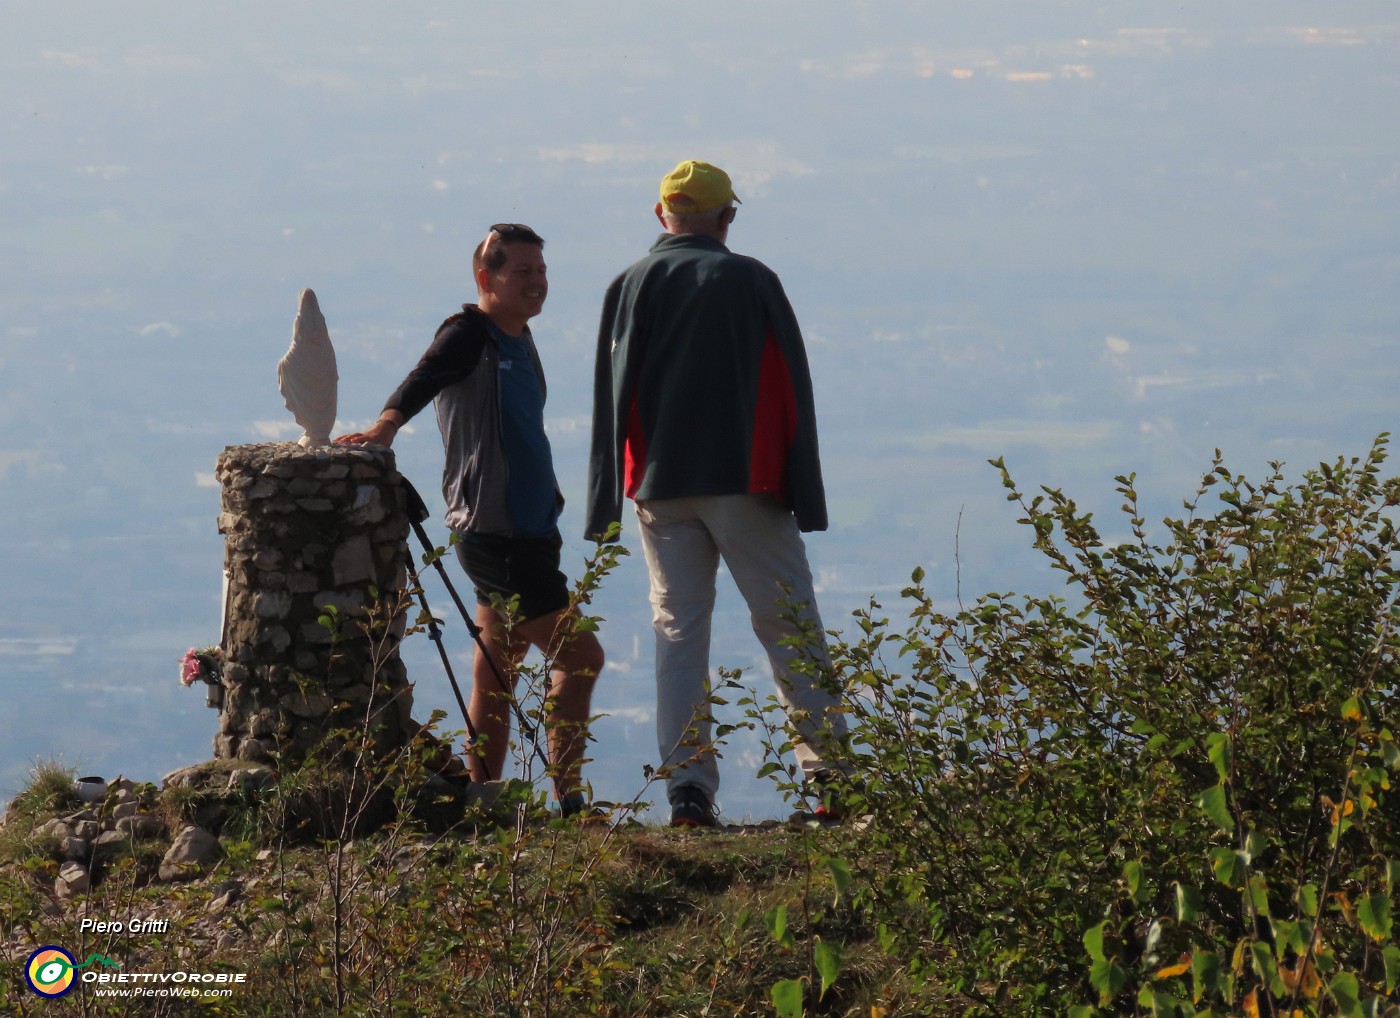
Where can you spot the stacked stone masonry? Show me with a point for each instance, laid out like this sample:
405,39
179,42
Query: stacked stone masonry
304,530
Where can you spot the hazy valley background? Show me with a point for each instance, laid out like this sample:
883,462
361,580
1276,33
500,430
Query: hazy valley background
1092,238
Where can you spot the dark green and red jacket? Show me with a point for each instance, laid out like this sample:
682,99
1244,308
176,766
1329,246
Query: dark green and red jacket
701,386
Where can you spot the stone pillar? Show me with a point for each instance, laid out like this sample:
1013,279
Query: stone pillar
305,529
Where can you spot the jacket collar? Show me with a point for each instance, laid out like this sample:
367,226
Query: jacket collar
687,241
474,313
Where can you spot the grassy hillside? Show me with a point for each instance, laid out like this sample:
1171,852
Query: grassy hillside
506,913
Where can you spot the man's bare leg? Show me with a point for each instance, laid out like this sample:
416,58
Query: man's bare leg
576,659
489,706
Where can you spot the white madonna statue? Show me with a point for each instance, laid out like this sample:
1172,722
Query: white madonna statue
307,374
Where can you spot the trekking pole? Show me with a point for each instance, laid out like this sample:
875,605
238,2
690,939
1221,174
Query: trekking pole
417,513
435,634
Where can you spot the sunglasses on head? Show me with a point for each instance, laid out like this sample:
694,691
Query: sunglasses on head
510,232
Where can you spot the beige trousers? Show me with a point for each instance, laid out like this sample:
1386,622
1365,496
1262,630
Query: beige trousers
684,540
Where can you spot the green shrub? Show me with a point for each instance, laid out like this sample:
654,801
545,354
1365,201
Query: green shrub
1045,766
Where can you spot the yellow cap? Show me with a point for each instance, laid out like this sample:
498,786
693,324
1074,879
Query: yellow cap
694,186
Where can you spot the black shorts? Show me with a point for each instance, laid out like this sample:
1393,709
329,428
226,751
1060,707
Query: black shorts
510,566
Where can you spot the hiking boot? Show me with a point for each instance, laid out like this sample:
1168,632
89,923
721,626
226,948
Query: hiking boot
691,807
831,792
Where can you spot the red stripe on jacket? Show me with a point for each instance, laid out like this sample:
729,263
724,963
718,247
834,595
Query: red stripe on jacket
634,452
774,423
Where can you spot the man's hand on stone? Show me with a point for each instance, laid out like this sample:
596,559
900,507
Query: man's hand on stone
381,432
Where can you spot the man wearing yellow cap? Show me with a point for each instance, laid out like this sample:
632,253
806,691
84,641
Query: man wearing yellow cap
703,415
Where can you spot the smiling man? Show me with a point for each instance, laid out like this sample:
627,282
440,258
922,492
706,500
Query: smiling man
484,376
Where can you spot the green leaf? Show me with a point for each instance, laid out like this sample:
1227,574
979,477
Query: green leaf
840,876
1218,749
1228,867
827,958
1343,989
1307,900
1205,974
1265,966
1132,875
1214,803
1108,977
1390,957
1373,912
886,937
1159,1004
787,998
1258,892
777,925
1188,903
1093,941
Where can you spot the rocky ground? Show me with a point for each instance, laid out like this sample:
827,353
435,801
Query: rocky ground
178,857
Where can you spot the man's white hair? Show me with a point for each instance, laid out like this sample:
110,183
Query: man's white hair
694,222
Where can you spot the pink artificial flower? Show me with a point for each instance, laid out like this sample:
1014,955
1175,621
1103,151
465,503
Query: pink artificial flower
189,667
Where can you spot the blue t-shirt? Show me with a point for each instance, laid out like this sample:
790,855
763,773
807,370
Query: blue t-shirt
530,494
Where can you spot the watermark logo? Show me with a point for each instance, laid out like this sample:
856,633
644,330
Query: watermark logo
51,971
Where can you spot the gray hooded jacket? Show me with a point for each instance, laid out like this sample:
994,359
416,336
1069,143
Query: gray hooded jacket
459,374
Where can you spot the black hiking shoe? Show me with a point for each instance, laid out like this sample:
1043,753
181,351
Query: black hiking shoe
830,792
691,807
